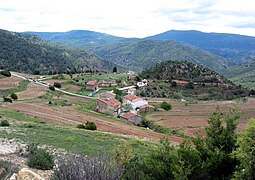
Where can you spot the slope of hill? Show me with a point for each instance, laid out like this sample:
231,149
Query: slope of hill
134,53
231,46
188,81
27,53
146,53
243,73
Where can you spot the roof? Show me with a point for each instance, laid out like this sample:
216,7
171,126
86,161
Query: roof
127,115
133,98
131,89
111,102
92,83
146,106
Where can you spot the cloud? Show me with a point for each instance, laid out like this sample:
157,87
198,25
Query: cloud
129,18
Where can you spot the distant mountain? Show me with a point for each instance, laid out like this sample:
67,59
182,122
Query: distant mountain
237,48
27,53
134,53
80,38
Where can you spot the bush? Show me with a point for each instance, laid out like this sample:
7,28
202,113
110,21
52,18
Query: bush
14,96
146,123
81,126
57,85
90,125
52,88
39,158
79,167
6,99
166,106
6,73
4,123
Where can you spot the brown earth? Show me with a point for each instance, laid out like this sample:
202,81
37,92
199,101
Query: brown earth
9,82
70,115
33,91
191,117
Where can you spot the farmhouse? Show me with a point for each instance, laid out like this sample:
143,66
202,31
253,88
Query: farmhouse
92,85
109,105
132,118
134,101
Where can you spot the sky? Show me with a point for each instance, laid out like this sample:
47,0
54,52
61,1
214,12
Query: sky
129,18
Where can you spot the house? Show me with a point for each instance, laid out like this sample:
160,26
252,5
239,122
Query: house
131,91
132,118
105,95
142,83
134,101
108,105
146,108
107,83
92,85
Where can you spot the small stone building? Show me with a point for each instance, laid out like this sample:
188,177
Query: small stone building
108,105
92,85
131,118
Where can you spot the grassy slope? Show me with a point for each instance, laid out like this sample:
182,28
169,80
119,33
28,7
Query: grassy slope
34,130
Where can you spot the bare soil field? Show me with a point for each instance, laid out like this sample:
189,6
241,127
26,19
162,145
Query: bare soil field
9,82
191,117
33,91
70,115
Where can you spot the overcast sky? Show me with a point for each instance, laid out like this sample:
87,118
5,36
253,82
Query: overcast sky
129,18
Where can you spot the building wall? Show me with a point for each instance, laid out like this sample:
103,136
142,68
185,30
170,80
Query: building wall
138,103
105,108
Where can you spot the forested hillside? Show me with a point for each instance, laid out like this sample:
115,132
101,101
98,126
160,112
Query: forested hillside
29,53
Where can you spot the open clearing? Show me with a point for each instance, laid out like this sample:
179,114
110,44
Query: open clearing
191,117
9,82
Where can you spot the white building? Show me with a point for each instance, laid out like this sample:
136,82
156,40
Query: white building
134,101
131,91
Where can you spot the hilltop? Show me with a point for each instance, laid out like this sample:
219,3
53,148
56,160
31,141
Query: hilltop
133,53
186,80
29,53
236,48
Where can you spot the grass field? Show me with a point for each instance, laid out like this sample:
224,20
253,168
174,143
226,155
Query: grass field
31,129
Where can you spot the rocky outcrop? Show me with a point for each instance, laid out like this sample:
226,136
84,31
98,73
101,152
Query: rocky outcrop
26,174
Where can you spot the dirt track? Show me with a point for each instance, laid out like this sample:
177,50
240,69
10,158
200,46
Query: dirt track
70,115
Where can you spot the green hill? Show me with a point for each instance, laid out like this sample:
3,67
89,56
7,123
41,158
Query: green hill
188,81
29,53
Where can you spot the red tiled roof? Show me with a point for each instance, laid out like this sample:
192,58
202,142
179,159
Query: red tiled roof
111,102
132,98
147,106
127,115
92,83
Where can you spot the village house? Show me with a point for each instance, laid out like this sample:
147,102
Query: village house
92,85
134,101
131,118
146,108
109,105
131,91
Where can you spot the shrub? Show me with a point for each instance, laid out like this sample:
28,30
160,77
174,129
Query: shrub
39,158
14,96
190,85
166,106
146,123
57,85
90,125
79,167
6,73
52,88
4,123
6,99
81,126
